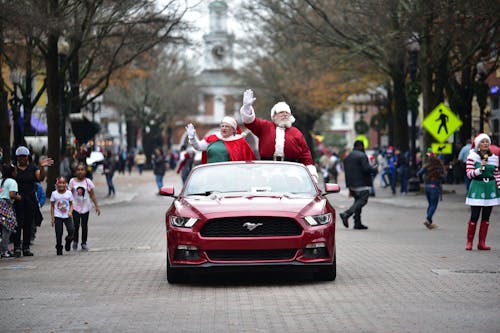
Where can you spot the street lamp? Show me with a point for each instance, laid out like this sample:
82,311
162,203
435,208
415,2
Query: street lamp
15,103
62,50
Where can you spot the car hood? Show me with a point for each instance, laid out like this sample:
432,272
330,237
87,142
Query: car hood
249,205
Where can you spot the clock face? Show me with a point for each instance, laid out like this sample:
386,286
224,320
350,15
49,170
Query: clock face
218,52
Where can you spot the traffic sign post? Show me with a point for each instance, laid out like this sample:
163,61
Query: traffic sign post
441,123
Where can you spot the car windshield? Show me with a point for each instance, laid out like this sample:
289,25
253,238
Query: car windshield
250,177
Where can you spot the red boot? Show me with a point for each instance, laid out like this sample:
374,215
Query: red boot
483,231
471,231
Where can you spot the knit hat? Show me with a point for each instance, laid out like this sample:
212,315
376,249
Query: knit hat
230,121
480,137
22,151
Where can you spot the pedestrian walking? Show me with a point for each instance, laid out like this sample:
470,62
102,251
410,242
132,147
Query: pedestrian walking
61,211
140,160
130,162
434,174
482,170
8,193
27,209
278,139
185,162
358,175
83,192
226,145
159,167
391,168
402,166
108,168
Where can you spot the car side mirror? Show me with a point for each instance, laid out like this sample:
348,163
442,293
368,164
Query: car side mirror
332,188
167,191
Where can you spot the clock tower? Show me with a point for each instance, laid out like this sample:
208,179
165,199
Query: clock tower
218,52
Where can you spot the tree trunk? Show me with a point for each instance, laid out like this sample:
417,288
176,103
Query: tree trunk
53,117
460,95
400,112
4,111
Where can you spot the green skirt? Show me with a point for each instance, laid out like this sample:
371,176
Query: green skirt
482,192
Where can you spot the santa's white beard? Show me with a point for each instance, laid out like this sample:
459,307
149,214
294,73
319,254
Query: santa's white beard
283,123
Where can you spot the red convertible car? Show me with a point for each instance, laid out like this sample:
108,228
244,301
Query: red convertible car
250,214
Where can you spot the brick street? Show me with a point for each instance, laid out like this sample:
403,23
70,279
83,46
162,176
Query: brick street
395,277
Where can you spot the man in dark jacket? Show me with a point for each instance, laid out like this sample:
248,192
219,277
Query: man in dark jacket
358,177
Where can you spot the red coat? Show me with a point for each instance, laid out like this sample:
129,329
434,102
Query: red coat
296,148
238,150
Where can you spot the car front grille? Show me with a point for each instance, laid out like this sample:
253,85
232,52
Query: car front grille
251,255
251,226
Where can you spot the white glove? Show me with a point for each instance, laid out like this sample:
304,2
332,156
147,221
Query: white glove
191,132
248,100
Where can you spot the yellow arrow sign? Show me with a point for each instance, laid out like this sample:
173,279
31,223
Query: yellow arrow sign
442,148
441,123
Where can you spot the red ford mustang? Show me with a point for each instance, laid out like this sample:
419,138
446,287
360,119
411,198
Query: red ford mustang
247,214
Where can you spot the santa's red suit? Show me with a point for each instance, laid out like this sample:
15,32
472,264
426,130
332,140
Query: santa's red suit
295,148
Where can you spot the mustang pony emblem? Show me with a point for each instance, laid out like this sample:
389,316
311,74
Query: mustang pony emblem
250,226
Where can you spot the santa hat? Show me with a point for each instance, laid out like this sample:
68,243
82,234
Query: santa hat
480,137
230,121
282,107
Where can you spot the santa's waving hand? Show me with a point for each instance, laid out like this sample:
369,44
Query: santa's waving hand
278,139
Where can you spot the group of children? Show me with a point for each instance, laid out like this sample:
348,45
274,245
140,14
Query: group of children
71,203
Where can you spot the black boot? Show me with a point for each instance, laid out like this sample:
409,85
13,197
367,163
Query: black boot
27,253
59,250
358,225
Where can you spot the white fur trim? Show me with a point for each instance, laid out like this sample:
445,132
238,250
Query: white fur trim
279,146
231,138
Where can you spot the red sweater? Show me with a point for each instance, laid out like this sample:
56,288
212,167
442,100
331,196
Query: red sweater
296,148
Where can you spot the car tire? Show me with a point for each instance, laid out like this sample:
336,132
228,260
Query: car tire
329,272
173,274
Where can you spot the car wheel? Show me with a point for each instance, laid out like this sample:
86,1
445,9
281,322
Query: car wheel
173,274
329,272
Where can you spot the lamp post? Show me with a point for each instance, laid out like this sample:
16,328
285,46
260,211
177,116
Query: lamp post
15,103
62,50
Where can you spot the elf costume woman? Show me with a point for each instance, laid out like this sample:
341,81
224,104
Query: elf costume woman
483,194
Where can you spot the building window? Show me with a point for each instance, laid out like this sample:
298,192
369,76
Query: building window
344,117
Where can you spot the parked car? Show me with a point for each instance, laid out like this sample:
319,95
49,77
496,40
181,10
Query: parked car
250,214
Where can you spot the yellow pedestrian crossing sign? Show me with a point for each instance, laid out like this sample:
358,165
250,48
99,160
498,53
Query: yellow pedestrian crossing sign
442,148
441,123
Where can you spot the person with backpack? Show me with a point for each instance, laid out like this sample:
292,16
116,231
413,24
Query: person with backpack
82,189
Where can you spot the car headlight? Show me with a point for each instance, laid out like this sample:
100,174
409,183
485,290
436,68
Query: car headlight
319,219
183,222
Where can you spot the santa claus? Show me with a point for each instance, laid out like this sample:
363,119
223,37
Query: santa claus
278,139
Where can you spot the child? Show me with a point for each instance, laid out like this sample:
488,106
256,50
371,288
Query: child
61,211
8,193
83,191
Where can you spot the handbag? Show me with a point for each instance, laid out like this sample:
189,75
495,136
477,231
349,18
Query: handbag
7,215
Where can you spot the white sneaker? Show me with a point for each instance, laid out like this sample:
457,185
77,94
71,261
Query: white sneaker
84,247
